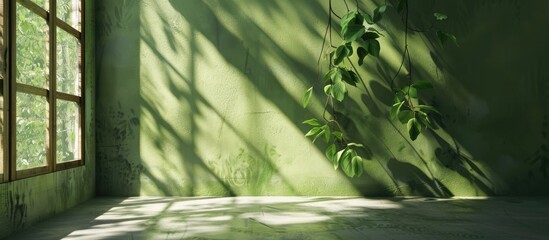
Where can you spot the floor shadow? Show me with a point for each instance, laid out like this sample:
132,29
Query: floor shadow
81,217
299,218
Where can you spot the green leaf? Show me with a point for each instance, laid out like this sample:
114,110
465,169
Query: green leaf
313,131
339,54
330,74
339,90
350,77
405,116
422,84
368,18
373,47
312,122
339,156
362,53
440,16
356,163
426,108
331,151
354,77
425,120
319,134
410,90
378,13
399,97
328,89
443,37
395,109
352,26
342,52
307,97
369,35
334,75
414,128
346,163
331,155
353,32
340,153
327,133
338,135
348,18
338,75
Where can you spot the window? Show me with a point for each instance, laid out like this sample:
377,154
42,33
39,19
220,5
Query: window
43,74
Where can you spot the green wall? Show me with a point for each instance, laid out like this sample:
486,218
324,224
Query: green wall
202,97
24,202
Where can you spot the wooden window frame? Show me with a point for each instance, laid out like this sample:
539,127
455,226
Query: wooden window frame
11,88
4,176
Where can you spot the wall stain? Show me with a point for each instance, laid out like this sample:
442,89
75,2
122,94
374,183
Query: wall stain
115,133
67,182
120,17
246,169
18,209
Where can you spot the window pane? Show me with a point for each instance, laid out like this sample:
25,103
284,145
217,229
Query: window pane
42,3
31,130
68,73
32,48
69,12
68,131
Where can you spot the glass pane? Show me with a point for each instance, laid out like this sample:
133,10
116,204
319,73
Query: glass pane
31,130
69,12
68,70
42,3
68,131
32,48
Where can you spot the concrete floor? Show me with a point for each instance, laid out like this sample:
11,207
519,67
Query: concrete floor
298,218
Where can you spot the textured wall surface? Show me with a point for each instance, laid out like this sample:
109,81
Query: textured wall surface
202,97
26,201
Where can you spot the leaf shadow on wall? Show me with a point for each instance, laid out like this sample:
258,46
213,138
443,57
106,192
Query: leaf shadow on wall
492,96
247,36
182,84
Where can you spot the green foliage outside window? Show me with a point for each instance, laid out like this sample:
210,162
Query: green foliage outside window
33,68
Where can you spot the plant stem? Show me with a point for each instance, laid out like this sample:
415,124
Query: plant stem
407,55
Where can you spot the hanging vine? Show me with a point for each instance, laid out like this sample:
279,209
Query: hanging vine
359,36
